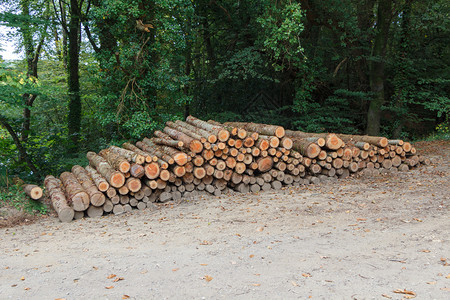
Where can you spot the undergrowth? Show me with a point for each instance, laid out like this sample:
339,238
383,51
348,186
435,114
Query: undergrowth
15,197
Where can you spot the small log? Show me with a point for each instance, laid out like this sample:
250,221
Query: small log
33,191
222,134
180,158
156,152
374,140
128,154
170,143
148,157
101,183
53,187
265,129
192,144
204,134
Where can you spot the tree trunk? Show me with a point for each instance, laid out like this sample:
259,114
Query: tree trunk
376,68
74,115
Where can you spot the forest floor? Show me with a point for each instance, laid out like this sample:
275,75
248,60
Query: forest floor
379,237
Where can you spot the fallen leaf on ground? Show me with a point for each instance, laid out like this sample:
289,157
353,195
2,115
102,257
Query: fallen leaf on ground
260,229
205,243
448,276
386,296
26,289
294,283
252,255
432,282
95,268
176,269
208,278
406,292
22,278
203,264
446,289
361,219
306,275
425,251
118,279
125,297
256,284
111,276
109,287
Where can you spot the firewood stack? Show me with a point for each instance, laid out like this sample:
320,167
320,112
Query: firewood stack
192,157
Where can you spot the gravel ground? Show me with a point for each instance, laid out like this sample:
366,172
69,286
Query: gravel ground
358,238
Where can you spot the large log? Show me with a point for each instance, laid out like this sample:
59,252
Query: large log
265,129
33,191
128,154
306,148
101,183
96,197
222,134
53,188
115,178
74,191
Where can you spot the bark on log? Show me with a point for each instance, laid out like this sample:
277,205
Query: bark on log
170,143
374,140
148,157
75,192
306,148
180,158
264,129
115,178
222,134
332,141
128,154
53,187
101,183
116,161
210,137
192,144
157,152
96,197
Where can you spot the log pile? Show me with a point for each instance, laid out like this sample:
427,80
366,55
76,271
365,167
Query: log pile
194,156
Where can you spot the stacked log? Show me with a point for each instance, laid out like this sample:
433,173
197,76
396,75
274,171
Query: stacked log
194,157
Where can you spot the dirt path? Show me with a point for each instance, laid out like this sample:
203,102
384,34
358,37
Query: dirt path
349,239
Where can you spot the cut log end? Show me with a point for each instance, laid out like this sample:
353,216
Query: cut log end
223,135
313,150
152,170
34,191
196,146
117,179
280,132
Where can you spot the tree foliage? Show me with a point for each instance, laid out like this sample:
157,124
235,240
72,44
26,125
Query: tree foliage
377,66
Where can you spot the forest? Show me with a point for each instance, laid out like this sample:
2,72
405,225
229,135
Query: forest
100,72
